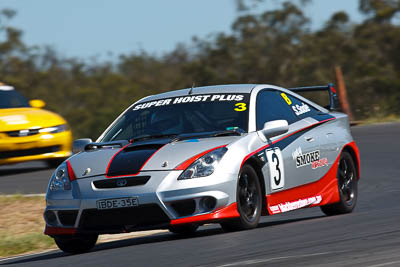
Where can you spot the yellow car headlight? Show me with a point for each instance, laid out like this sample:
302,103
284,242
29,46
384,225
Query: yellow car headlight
55,129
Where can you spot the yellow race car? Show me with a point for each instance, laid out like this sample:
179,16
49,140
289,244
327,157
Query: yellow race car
28,132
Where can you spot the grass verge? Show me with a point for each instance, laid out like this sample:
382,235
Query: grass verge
21,225
381,119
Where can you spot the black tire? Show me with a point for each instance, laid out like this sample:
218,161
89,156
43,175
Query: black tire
185,230
249,201
76,243
347,185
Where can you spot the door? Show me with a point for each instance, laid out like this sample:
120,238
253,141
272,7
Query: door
289,157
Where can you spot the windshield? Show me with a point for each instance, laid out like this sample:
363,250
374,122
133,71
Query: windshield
12,99
182,115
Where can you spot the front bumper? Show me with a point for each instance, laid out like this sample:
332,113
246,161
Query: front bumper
163,201
35,147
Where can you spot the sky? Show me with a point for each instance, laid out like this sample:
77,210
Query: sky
104,29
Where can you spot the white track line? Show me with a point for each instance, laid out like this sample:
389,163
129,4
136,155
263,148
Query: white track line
385,264
26,255
257,261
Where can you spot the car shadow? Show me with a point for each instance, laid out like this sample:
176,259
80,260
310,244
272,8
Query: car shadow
156,238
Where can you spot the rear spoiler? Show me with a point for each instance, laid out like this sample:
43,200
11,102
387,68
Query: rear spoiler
333,97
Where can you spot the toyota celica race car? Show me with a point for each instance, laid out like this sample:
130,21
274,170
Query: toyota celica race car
217,154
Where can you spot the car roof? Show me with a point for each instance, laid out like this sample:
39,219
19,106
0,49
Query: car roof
226,88
214,89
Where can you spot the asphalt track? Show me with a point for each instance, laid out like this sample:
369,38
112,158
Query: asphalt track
370,236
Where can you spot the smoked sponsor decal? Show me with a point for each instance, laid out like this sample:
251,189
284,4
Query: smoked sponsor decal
312,158
195,99
298,204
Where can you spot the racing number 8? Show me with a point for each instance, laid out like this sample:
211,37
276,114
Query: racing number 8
287,99
240,107
276,168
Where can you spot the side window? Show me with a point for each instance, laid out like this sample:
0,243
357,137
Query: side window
271,106
299,108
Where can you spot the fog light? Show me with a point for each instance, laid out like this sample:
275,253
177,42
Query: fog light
208,203
50,217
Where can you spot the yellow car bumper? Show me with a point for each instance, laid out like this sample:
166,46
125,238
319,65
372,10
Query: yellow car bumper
43,146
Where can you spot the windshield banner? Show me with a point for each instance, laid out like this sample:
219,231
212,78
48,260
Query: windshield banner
192,99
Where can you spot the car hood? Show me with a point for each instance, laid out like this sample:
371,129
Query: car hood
151,155
13,119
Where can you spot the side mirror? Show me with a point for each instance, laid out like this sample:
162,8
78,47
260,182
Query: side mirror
79,145
37,103
275,128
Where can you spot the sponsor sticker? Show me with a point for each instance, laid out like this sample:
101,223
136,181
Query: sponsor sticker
293,205
312,158
195,99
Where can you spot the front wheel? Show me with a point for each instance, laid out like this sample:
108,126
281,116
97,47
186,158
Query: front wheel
249,201
347,185
76,243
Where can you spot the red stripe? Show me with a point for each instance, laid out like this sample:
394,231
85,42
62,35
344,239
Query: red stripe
71,173
188,162
59,231
276,141
126,175
355,148
225,213
327,187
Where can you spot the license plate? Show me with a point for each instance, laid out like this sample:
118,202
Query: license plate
116,203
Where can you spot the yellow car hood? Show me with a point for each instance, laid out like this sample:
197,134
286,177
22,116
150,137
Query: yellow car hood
12,119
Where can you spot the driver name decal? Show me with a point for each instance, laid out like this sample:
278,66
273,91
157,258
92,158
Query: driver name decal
191,99
299,110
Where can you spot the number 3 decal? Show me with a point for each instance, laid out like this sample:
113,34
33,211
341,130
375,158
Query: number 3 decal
276,168
240,107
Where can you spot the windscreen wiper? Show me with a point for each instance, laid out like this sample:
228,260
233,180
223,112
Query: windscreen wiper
228,132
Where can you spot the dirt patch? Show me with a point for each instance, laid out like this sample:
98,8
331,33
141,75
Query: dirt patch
22,225
21,215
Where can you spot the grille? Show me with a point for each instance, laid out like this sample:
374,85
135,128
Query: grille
20,133
67,217
121,182
29,152
142,216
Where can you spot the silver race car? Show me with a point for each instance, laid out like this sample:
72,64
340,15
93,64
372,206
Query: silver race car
218,154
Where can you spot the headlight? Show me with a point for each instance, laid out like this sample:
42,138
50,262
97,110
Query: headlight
54,129
205,165
60,180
